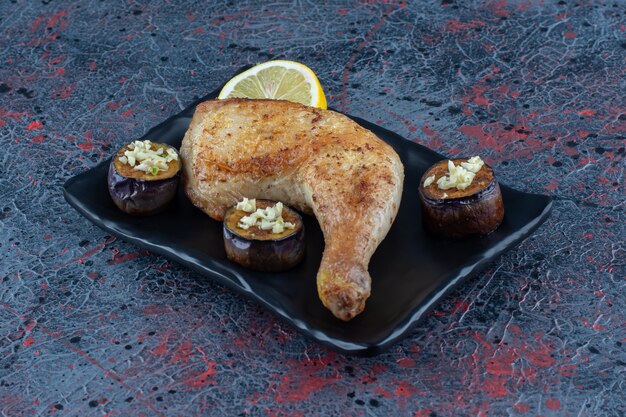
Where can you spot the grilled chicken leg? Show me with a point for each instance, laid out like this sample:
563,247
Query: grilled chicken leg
317,161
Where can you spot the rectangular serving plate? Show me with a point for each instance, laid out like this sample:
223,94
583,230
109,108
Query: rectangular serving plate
411,271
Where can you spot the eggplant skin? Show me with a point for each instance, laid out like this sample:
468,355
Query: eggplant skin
139,197
268,255
477,214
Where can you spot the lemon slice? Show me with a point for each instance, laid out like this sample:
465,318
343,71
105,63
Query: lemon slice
279,80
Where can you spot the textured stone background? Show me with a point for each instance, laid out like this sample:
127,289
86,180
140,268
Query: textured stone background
90,326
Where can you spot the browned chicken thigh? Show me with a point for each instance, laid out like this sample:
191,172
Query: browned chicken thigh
317,161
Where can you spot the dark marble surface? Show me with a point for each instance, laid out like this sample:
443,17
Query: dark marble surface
91,326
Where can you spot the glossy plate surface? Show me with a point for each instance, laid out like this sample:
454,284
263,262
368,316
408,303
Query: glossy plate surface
411,271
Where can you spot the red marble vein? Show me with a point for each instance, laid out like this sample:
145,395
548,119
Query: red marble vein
58,19
204,378
156,309
183,352
553,404
161,348
89,253
456,26
34,125
87,145
303,380
228,18
436,141
15,116
346,71
119,258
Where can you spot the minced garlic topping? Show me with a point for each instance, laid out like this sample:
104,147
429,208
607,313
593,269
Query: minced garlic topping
247,205
474,164
429,180
461,176
265,219
142,157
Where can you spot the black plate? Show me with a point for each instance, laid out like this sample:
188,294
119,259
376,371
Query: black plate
411,271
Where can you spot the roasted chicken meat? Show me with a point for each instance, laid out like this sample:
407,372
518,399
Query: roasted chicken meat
317,161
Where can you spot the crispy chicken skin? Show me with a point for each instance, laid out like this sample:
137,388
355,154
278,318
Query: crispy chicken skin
317,161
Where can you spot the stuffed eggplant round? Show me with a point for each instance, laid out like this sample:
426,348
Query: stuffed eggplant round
457,202
257,243
143,177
